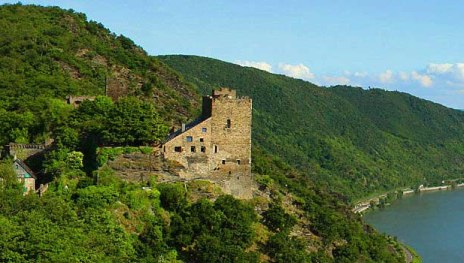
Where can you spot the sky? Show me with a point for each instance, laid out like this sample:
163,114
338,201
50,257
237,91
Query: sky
406,45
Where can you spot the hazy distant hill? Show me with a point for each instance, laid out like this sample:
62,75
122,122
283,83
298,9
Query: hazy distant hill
355,141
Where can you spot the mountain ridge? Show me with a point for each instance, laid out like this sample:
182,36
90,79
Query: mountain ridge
354,141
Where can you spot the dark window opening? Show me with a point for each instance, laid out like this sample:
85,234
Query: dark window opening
228,123
238,162
215,149
178,149
193,149
164,148
203,149
202,140
223,161
203,129
189,138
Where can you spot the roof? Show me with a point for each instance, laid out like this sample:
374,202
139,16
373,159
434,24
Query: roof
188,126
25,167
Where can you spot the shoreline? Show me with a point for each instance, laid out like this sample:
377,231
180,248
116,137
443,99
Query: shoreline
362,206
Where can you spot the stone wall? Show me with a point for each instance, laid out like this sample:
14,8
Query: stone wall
231,129
23,151
220,144
29,184
75,101
196,160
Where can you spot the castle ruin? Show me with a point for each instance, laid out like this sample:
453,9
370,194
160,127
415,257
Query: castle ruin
218,144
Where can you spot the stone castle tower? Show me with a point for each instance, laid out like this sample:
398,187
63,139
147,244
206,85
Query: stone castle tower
217,144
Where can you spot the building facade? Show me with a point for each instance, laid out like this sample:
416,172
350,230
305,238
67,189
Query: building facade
25,175
219,142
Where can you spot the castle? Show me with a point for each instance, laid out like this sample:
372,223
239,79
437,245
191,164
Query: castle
218,144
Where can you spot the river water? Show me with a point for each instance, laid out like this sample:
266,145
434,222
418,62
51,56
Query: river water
431,223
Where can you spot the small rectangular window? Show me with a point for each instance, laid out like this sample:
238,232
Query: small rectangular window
178,149
202,140
238,162
228,123
193,149
203,129
203,149
189,139
215,149
223,161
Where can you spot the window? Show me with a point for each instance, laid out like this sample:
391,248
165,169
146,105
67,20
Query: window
193,149
223,161
178,149
203,130
215,149
238,162
164,148
228,123
202,140
203,149
189,139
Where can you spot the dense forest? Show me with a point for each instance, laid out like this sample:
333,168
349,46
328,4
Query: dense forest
47,53
314,149
353,141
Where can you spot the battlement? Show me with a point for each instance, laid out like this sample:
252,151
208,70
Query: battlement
24,151
224,93
14,146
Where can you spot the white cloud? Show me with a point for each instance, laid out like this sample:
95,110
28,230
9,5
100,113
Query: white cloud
423,79
255,64
448,71
335,80
360,74
404,76
386,77
296,71
433,68
459,70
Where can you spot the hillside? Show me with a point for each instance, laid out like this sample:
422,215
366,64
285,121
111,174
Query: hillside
91,214
52,53
353,141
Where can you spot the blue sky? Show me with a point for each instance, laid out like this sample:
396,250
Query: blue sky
412,46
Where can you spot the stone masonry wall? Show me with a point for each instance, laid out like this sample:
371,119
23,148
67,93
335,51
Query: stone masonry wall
226,140
231,129
196,162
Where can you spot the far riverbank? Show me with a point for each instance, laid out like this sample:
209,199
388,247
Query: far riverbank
384,199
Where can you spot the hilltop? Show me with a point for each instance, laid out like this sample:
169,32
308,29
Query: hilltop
351,140
52,53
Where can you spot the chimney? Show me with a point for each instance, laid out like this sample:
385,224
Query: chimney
183,127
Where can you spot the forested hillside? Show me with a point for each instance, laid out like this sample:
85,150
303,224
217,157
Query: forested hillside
48,53
353,141
89,214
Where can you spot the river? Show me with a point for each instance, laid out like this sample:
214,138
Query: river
431,223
